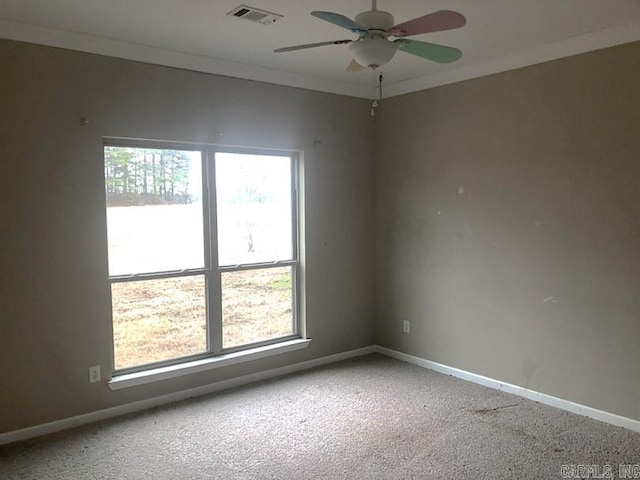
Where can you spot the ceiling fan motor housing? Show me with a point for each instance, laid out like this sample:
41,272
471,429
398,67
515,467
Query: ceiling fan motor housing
376,20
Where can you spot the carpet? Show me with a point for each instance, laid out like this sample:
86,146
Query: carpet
366,418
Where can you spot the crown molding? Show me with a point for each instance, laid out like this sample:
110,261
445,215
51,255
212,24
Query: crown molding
28,33
597,40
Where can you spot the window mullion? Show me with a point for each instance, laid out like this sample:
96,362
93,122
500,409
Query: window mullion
214,286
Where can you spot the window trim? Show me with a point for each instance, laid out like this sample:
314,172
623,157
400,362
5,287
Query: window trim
216,355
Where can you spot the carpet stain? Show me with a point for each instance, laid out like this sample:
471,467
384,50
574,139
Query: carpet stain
519,431
508,426
493,411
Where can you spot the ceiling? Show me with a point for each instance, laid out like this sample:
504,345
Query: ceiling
197,35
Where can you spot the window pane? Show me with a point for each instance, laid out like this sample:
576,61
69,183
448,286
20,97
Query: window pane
154,210
256,305
253,195
155,320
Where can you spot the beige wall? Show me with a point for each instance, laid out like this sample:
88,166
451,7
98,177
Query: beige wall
54,296
531,275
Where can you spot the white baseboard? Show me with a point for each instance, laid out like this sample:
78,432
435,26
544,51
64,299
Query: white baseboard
91,417
572,407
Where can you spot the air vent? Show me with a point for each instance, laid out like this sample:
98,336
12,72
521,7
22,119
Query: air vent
254,15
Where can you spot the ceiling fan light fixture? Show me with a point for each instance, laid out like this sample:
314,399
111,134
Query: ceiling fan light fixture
373,51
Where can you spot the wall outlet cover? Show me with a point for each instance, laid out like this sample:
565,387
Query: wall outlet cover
406,326
94,374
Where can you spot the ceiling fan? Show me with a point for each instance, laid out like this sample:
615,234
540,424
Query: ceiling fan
373,48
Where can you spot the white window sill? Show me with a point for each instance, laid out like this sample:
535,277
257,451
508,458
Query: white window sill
163,373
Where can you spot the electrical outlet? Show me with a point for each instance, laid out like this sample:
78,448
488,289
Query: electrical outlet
406,326
94,374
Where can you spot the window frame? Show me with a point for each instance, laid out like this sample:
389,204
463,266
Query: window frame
212,271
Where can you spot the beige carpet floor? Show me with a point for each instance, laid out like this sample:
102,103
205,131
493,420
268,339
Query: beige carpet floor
367,418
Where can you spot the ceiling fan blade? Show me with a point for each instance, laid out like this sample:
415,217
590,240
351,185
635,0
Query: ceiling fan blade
430,51
433,22
341,21
311,45
355,67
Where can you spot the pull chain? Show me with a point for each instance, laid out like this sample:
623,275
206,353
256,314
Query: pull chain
378,94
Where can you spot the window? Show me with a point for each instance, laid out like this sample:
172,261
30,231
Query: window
203,251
